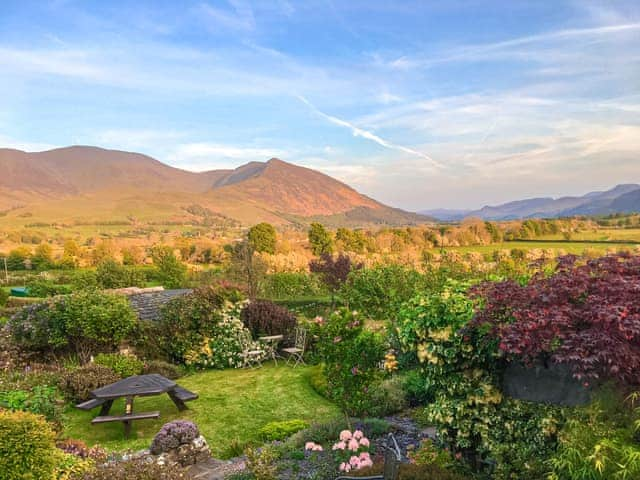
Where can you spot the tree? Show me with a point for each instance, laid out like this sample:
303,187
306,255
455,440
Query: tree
262,238
110,274
334,271
42,257
172,273
19,259
247,267
320,239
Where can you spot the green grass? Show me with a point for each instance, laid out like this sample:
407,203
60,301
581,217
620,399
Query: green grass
568,247
233,406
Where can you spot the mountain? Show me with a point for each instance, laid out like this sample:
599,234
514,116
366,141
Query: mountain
620,199
90,184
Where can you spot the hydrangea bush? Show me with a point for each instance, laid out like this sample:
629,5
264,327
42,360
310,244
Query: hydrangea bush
351,450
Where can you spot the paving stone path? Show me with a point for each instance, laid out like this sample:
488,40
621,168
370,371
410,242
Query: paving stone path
216,469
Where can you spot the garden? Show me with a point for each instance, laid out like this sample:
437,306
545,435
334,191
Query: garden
518,369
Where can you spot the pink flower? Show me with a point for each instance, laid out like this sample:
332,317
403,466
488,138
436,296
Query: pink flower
339,446
365,456
345,467
317,448
358,434
353,445
355,462
309,446
345,435
364,441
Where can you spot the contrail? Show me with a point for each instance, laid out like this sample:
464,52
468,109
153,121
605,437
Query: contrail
359,132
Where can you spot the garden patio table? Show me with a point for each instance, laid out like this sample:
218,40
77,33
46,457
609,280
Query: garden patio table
271,344
129,388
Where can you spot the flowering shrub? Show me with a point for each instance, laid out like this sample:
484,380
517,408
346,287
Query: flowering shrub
202,329
223,345
351,357
172,435
352,451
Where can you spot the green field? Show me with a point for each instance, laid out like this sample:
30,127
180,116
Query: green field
573,247
233,406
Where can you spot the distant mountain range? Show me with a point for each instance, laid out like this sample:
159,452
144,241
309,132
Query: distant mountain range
90,184
620,199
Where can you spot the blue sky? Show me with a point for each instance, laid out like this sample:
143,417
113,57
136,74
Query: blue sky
420,104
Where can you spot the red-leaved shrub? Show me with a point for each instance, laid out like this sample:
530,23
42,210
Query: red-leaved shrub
262,317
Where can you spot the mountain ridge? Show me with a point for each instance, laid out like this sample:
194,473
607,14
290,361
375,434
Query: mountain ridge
623,198
104,183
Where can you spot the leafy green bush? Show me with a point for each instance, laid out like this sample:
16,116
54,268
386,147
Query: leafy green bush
262,462
27,447
380,291
166,369
318,380
122,365
41,287
4,296
77,384
599,441
351,357
387,397
263,317
111,274
284,285
281,430
171,272
84,323
410,471
41,400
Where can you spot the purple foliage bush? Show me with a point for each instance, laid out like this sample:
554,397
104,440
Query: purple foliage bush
174,434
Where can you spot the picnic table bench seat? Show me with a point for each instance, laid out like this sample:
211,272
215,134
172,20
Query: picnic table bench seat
125,417
184,394
90,404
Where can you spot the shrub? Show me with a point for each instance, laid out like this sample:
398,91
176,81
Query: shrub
285,285
27,447
387,397
380,291
110,274
200,329
333,271
585,314
318,380
77,384
121,364
262,462
84,323
262,317
4,296
166,369
40,287
135,470
351,357
172,435
262,238
41,400
281,430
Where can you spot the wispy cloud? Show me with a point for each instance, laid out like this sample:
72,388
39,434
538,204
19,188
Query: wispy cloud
239,17
359,132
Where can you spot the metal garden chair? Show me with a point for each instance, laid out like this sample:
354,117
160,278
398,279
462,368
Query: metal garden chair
297,351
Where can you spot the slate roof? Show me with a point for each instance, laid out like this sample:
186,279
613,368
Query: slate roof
147,305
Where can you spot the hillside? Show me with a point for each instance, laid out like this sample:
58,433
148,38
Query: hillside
620,199
90,184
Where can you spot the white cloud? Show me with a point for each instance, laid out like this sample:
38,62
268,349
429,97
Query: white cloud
359,132
200,156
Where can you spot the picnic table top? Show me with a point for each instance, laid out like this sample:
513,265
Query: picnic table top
138,385
271,338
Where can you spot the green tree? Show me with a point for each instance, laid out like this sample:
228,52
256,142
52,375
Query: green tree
110,274
320,239
172,273
262,238
19,259
42,257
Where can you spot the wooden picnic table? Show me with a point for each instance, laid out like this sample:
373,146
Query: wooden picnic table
129,388
271,343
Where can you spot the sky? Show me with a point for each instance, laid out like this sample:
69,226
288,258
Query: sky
419,104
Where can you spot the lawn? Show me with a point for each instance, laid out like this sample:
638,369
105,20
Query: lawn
233,406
